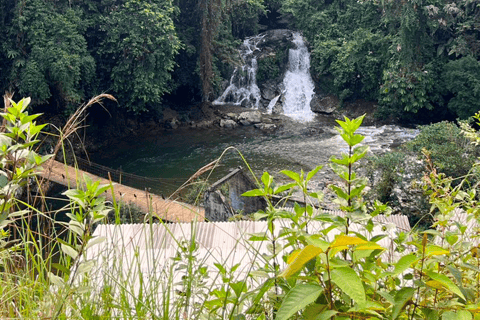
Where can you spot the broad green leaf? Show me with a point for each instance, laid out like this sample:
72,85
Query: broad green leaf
85,267
254,193
404,263
433,250
307,254
69,251
464,315
401,298
298,298
460,315
267,179
56,280
325,315
312,173
446,282
284,188
369,246
292,175
343,240
350,283
95,241
313,310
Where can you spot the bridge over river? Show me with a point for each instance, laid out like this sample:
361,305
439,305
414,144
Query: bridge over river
168,210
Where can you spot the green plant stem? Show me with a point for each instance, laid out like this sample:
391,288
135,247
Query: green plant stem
424,244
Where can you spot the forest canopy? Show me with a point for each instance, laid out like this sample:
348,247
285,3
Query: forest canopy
412,57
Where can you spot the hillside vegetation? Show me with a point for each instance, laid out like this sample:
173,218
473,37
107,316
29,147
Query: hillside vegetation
417,59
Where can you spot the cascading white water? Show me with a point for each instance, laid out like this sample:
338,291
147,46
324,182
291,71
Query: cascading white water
272,104
299,87
298,84
243,89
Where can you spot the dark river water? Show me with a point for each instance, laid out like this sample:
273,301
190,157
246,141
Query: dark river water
176,155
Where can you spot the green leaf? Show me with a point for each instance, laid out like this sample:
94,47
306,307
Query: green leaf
446,282
460,315
298,298
284,187
56,280
305,255
325,315
404,263
313,173
261,292
69,251
292,175
350,283
401,298
94,241
85,267
267,180
254,193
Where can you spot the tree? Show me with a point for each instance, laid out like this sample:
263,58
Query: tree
135,50
46,52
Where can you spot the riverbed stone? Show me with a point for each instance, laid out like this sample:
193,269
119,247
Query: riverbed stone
232,116
250,117
228,124
326,105
265,126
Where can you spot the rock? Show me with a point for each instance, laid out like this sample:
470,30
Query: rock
265,126
269,91
172,123
232,116
250,117
202,124
325,105
278,107
229,124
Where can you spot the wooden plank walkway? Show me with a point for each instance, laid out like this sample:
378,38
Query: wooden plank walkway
168,210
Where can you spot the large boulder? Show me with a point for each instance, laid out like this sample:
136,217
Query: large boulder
250,117
227,123
325,105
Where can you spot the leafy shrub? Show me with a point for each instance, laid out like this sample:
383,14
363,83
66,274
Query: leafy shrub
462,79
268,67
450,151
407,90
354,63
389,167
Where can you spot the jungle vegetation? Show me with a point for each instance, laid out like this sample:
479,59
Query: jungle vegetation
415,58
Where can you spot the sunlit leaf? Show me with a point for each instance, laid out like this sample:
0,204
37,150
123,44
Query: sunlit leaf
403,296
445,281
307,254
298,298
349,282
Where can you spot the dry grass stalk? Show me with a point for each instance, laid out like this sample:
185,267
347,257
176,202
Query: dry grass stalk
6,102
197,174
71,127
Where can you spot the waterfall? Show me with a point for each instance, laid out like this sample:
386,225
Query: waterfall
243,89
299,87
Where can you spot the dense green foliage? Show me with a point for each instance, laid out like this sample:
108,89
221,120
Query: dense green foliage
409,56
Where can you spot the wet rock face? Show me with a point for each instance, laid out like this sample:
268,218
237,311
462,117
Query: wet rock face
326,105
250,117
